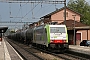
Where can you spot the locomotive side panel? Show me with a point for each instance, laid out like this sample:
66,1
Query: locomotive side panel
40,36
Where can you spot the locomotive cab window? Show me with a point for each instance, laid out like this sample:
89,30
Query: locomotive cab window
57,30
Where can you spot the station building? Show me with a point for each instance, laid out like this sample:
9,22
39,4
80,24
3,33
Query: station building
77,31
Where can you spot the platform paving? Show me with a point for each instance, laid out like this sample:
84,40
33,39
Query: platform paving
7,52
80,49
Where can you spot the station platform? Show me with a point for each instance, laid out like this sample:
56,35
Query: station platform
80,49
7,52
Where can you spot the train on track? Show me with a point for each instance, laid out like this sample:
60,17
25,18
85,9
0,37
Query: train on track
47,36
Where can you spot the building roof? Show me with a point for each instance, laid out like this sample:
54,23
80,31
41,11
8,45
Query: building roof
70,23
78,25
57,10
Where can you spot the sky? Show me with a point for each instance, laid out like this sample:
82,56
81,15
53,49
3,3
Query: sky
25,12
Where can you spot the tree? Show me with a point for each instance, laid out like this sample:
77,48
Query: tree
82,7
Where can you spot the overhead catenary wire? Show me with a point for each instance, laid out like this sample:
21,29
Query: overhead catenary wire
47,8
18,12
29,11
38,2
55,2
32,10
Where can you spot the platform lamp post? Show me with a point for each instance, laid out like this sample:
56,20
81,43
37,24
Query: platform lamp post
74,29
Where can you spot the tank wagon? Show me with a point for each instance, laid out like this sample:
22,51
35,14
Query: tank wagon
29,36
23,36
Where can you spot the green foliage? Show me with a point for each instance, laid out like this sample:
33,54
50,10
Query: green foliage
82,7
12,31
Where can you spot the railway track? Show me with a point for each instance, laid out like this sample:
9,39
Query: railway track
30,53
69,55
23,51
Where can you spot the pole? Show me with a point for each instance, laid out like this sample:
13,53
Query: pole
74,30
87,34
65,12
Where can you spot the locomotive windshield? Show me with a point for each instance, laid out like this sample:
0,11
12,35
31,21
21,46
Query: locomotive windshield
57,30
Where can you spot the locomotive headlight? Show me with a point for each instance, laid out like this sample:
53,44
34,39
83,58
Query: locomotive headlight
51,41
64,41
